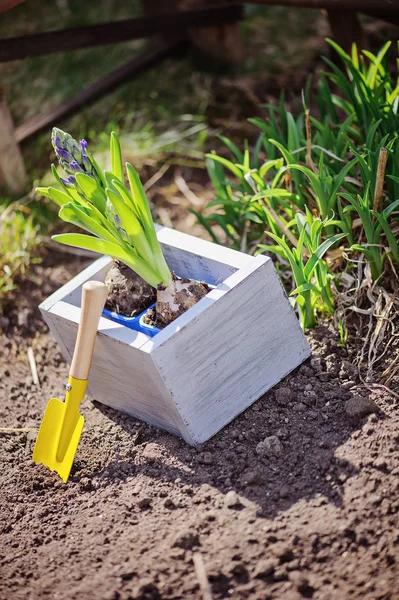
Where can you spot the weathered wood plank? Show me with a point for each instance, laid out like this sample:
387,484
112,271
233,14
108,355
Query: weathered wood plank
347,29
382,7
92,93
12,168
111,33
6,5
121,375
242,345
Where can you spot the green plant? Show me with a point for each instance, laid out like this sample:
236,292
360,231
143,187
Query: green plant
238,210
120,219
373,225
332,166
311,273
366,89
19,237
343,333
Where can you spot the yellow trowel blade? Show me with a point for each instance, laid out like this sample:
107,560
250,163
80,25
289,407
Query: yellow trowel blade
60,430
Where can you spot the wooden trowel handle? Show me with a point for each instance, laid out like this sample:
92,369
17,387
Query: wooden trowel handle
94,294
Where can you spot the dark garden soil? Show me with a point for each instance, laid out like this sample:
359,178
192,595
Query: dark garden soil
297,498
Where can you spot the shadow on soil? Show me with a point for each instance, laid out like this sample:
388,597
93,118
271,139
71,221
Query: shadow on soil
307,416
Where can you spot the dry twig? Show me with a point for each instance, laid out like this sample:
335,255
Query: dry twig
33,367
309,160
6,430
185,190
379,184
200,572
379,319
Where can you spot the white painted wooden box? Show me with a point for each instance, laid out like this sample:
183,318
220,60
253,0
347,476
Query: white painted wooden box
210,364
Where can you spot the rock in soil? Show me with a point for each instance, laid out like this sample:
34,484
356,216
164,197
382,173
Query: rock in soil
232,499
270,446
128,294
186,540
359,407
284,395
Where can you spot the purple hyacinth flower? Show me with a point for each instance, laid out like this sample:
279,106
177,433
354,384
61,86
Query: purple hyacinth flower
67,183
75,166
68,145
64,154
86,163
71,179
57,142
77,153
83,145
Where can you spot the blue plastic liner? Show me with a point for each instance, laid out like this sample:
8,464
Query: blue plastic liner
136,323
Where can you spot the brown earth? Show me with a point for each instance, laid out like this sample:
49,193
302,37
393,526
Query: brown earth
297,498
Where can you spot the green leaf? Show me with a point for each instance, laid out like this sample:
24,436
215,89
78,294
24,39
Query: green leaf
377,64
87,242
320,252
97,169
226,163
293,139
145,218
392,241
116,157
92,190
58,196
44,191
297,270
232,147
72,214
272,193
131,225
305,287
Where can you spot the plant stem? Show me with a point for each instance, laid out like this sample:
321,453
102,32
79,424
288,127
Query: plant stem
379,183
307,312
308,128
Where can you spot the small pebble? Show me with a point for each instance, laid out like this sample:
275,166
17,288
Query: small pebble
284,395
270,446
232,499
144,502
358,407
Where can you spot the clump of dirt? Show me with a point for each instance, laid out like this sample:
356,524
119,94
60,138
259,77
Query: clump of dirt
175,299
297,498
128,293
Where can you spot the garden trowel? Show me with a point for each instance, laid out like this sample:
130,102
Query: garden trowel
62,424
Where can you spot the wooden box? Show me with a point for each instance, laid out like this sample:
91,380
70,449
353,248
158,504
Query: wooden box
210,364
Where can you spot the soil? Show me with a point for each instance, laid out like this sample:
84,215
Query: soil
297,498
128,294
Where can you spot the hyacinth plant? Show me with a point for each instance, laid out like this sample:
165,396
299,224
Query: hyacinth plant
119,219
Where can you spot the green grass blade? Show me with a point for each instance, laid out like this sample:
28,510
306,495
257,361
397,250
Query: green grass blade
226,163
320,252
